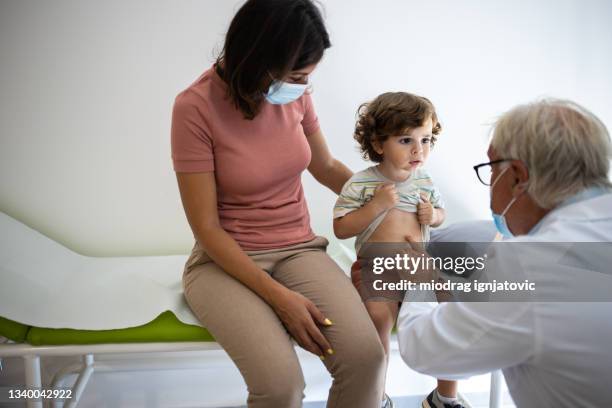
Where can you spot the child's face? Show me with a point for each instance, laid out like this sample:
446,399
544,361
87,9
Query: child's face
403,154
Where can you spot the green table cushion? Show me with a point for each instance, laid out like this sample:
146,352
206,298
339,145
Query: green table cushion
166,327
13,330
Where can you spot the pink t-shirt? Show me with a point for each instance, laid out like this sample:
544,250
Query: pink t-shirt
257,163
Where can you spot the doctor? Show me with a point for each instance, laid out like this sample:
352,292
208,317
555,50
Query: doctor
548,177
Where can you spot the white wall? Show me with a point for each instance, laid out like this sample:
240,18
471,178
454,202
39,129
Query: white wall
86,91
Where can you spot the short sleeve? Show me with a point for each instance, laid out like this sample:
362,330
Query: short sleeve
436,198
350,199
192,146
427,187
310,122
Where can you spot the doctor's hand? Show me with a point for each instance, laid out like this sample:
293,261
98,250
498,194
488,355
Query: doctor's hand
427,272
300,317
385,197
425,211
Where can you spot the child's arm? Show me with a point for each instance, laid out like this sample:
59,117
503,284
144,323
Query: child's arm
439,217
353,223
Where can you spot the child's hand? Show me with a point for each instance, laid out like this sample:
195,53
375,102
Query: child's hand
425,211
385,196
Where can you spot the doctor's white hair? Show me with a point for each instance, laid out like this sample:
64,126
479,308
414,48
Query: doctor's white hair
565,147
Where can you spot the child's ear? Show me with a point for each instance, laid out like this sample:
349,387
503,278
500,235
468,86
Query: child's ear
377,146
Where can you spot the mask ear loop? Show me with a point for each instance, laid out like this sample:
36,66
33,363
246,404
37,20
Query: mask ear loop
513,200
496,180
503,213
275,85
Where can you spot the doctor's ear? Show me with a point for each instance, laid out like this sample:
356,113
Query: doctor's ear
521,176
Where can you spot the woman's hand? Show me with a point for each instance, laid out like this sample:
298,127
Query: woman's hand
300,316
199,195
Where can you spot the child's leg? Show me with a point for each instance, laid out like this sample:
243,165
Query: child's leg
447,389
383,315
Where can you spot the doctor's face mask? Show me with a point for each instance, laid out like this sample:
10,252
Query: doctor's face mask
500,219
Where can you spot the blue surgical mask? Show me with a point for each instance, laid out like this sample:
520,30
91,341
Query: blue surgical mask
281,93
500,222
500,219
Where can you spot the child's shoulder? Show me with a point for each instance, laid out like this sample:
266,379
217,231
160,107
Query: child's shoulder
362,179
368,175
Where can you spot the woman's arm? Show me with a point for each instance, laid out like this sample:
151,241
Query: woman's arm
324,167
199,197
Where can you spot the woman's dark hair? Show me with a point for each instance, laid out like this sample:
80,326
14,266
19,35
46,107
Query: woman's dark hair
392,114
267,39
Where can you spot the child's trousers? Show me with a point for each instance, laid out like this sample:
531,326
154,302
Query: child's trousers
256,340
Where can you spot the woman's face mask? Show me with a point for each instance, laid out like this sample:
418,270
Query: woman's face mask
281,93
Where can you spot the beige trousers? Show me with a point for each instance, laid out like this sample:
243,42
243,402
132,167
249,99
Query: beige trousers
256,340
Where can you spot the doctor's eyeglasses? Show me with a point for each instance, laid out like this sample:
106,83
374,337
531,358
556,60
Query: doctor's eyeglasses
484,170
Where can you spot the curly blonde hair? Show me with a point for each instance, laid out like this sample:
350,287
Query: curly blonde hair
392,114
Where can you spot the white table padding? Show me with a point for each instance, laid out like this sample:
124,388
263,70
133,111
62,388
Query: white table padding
45,284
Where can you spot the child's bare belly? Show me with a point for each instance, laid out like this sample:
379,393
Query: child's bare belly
395,226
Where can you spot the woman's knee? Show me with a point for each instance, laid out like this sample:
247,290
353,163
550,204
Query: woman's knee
363,354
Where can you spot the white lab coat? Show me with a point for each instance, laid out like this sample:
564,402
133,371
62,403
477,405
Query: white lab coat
553,354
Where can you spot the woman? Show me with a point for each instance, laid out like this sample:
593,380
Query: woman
242,134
